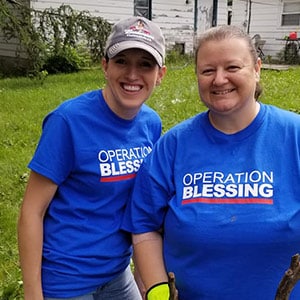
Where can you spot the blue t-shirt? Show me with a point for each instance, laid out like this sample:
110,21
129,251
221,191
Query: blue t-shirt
93,156
228,204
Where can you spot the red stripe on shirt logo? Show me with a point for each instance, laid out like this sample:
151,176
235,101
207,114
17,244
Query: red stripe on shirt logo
117,178
229,201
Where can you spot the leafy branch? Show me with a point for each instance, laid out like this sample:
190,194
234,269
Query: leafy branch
59,32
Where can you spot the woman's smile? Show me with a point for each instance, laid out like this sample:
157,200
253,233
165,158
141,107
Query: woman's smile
131,87
223,92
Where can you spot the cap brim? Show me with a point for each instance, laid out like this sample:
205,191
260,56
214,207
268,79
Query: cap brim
134,44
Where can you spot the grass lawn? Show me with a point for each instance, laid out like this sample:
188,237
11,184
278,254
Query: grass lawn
24,102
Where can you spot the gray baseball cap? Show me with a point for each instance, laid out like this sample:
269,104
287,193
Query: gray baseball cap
136,32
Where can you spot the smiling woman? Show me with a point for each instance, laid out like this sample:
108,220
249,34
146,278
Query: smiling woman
70,242
215,198
131,75
227,80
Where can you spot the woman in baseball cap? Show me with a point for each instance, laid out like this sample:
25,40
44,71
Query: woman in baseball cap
82,172
133,64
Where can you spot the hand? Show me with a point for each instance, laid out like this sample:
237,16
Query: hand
140,283
172,287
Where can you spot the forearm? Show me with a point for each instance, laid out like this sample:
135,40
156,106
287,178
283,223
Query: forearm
138,279
39,192
30,239
149,260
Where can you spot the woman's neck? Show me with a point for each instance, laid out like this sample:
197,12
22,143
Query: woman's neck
233,123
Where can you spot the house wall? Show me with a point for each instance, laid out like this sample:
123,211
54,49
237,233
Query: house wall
180,20
176,22
222,12
111,10
239,13
8,50
265,20
176,18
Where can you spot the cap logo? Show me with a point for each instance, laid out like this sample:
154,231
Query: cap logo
139,31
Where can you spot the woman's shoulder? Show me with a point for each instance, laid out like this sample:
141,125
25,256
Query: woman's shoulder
191,124
186,130
83,104
282,115
81,100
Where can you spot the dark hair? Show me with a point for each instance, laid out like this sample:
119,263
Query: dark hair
226,32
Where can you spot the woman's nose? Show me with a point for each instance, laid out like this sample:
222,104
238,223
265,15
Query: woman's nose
220,77
131,72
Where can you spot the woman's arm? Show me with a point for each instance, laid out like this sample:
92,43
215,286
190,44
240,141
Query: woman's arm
148,257
138,280
39,192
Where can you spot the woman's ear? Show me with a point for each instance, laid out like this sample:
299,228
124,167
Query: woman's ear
104,64
161,73
257,69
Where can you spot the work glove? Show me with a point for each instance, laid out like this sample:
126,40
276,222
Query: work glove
159,291
163,290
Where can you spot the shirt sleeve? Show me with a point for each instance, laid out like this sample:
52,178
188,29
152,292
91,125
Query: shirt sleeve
54,154
152,191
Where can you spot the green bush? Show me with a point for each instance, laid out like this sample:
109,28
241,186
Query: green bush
67,60
52,38
173,57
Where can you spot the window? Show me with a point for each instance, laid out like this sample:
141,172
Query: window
291,13
143,8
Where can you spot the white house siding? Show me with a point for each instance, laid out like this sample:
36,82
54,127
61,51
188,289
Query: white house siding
8,49
222,18
110,10
265,20
239,13
11,55
176,18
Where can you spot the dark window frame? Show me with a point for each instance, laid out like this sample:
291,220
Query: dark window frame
290,15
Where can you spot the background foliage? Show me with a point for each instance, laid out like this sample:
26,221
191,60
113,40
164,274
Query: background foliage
61,37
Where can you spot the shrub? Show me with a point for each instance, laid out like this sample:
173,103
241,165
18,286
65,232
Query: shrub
67,60
53,36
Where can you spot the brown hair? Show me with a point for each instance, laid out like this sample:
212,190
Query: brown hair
226,32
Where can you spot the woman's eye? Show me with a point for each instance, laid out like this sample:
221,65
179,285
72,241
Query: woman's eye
207,72
147,64
120,61
233,68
